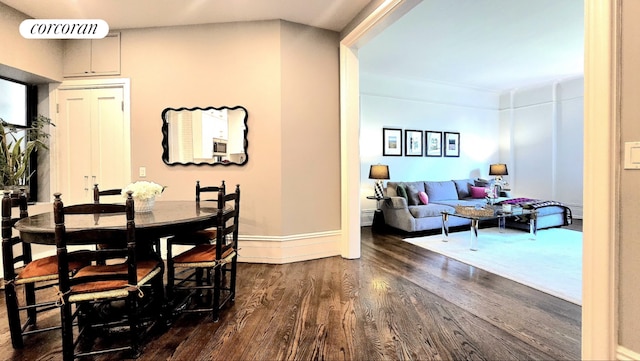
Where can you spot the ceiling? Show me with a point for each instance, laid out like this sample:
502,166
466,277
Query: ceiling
486,44
492,45
126,14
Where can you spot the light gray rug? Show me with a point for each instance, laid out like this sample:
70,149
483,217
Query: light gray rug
551,263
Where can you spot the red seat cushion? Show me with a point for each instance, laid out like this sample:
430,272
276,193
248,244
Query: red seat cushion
197,237
144,268
200,253
47,266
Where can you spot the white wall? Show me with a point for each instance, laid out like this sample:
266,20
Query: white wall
542,141
409,104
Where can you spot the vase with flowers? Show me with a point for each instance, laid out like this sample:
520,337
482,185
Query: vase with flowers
144,194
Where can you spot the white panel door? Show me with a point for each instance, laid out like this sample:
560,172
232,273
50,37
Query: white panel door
108,158
94,142
74,129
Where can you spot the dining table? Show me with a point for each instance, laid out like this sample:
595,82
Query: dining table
166,219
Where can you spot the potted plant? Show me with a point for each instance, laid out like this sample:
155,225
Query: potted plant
17,146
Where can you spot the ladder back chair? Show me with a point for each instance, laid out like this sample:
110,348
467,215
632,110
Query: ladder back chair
20,270
213,251
94,288
97,193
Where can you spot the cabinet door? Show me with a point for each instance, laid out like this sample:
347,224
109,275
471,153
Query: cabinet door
76,57
105,55
94,142
89,57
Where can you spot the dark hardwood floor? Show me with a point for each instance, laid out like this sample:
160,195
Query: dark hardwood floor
397,302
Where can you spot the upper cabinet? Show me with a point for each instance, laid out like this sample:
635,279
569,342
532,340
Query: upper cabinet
92,57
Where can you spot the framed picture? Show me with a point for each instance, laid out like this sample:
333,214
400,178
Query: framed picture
413,143
451,144
391,141
433,143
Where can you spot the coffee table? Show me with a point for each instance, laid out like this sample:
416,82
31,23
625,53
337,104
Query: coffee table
499,215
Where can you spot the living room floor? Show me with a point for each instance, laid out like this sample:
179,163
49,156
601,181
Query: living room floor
397,301
501,314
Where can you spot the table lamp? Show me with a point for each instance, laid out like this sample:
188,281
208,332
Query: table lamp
379,172
498,170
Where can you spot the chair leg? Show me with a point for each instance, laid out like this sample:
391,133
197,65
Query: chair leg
30,299
15,328
133,324
217,284
171,273
66,321
232,282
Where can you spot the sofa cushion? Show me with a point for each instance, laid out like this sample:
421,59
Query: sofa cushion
401,189
412,195
462,186
430,210
470,202
441,190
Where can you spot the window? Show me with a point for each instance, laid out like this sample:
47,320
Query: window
18,106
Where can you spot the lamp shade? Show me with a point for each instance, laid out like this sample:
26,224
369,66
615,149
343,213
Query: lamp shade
379,171
498,169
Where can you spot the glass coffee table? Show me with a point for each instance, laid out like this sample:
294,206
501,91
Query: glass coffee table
498,215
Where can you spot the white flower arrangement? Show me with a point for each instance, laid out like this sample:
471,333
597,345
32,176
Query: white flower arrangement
143,190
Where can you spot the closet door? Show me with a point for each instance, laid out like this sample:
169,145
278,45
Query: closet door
73,131
109,161
94,142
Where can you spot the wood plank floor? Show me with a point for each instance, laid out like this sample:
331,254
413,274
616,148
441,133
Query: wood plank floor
397,302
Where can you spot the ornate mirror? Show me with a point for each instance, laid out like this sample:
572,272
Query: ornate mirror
213,136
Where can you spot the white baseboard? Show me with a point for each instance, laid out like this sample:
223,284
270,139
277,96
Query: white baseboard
576,210
623,353
366,217
287,249
265,249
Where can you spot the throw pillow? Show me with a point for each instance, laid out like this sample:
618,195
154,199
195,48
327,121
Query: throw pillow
424,198
412,195
478,192
462,186
481,182
402,191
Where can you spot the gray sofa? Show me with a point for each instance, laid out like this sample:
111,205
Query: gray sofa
409,214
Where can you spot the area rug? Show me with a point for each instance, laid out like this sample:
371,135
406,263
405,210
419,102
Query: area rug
552,262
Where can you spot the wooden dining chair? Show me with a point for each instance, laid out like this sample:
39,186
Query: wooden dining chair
34,277
94,288
97,193
201,271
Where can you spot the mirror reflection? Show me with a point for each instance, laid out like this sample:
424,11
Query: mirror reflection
205,136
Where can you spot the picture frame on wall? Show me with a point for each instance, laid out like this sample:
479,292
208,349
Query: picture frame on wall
391,142
433,143
451,144
413,143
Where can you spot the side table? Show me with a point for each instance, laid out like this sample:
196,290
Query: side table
378,225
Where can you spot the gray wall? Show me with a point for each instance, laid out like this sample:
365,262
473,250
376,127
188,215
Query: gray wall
286,75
